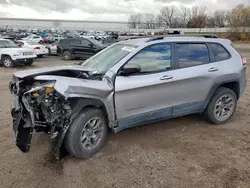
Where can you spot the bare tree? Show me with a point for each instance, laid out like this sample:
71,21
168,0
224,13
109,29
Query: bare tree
132,22
139,22
198,17
220,18
194,12
135,21
149,20
185,15
240,20
168,15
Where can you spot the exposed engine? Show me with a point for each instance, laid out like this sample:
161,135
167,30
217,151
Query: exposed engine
42,109
48,109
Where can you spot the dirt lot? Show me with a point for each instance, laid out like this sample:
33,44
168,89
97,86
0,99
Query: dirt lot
182,152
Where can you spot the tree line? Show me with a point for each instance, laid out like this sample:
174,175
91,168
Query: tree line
196,17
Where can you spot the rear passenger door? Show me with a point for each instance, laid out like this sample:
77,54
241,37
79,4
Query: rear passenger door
87,48
76,47
195,73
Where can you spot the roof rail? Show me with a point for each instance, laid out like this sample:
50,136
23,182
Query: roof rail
182,35
194,35
138,37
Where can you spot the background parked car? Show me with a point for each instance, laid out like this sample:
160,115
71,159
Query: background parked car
71,48
11,54
39,49
57,37
88,36
53,48
34,38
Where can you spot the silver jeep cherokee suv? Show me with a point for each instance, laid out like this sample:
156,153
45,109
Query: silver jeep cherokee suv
130,83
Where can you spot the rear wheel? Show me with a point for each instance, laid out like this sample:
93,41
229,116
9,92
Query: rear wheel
87,133
222,106
7,62
67,55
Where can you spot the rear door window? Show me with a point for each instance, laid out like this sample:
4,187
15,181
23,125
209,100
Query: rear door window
85,42
219,52
191,54
76,42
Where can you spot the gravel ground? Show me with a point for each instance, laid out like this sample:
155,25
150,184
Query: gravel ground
182,152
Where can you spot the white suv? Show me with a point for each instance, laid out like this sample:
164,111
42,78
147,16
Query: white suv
11,55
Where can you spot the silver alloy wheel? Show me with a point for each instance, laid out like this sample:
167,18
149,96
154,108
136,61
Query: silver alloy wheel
224,107
66,55
92,133
7,62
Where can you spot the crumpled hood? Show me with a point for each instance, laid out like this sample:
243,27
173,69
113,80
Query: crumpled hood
49,71
75,87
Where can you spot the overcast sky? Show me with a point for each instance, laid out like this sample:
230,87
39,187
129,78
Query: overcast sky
105,10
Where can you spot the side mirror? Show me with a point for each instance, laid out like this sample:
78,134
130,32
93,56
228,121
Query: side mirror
130,69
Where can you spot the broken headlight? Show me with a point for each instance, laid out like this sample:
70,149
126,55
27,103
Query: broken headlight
42,89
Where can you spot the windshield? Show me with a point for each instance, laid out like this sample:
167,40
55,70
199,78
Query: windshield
107,58
32,43
95,42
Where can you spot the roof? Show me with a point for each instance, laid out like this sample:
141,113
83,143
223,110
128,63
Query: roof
153,40
4,39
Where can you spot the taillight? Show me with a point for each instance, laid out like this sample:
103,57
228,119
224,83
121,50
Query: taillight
244,61
37,48
57,46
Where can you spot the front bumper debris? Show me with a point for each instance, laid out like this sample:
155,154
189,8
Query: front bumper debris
23,61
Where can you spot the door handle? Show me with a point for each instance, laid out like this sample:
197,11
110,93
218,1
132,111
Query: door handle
166,77
213,69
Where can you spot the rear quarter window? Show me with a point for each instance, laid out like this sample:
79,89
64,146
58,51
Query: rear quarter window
219,52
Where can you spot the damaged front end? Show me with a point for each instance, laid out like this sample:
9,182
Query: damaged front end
49,99
41,108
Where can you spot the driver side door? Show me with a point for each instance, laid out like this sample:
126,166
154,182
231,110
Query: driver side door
146,96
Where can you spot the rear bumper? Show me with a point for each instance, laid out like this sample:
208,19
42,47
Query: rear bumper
23,61
243,80
42,52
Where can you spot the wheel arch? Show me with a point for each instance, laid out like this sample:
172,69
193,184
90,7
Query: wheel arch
230,84
80,104
5,55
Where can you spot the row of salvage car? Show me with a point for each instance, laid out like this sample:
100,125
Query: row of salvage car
20,52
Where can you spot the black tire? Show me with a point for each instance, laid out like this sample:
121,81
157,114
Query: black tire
49,53
67,55
40,42
7,61
73,143
211,108
29,63
39,56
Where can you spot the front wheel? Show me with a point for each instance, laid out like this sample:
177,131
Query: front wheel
67,55
87,133
7,62
222,106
